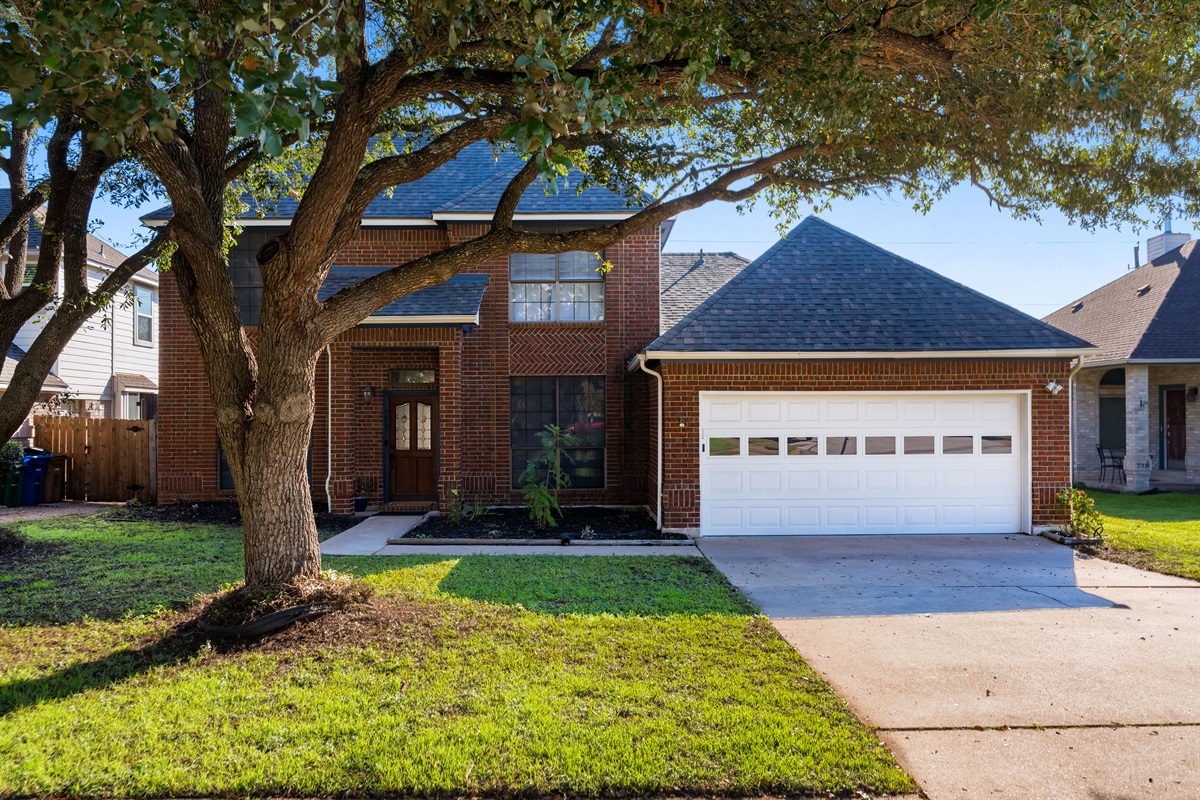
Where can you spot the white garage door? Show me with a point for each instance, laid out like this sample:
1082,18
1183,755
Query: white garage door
818,463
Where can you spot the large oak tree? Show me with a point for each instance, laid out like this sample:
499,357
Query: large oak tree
1081,106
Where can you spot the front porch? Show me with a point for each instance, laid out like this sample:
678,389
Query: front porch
1144,417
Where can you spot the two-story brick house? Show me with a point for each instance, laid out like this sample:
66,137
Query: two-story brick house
829,386
444,389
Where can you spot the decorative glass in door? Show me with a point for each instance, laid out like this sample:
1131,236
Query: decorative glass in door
424,426
403,426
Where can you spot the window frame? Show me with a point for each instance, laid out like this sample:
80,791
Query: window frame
138,289
514,477
557,283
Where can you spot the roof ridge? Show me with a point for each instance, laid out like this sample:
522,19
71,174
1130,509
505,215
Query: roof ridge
939,276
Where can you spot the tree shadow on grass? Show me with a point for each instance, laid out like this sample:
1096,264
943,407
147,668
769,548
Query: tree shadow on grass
177,646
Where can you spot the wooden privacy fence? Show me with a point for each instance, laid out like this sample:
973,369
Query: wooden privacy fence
107,459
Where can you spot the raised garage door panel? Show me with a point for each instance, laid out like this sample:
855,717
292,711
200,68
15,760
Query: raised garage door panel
779,463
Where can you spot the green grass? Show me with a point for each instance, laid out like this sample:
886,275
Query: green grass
488,675
1159,532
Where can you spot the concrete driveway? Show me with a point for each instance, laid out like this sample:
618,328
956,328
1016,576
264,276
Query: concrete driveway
994,666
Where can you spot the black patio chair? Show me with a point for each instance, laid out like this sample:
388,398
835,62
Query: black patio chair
1111,461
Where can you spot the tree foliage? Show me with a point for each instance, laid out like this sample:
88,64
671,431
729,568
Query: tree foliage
1082,106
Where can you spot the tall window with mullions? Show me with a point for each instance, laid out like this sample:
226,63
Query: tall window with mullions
574,403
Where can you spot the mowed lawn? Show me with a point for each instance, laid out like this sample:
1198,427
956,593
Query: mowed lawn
481,675
1157,531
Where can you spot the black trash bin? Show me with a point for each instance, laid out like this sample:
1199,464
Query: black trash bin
54,485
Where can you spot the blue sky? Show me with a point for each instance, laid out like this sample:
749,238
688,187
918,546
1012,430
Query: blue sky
1036,267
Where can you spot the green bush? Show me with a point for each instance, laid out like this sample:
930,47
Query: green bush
12,457
1085,521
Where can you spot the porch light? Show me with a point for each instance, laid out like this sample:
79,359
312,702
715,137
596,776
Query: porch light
368,394
1192,392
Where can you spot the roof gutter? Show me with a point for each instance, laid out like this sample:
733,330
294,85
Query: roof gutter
422,319
861,355
1119,362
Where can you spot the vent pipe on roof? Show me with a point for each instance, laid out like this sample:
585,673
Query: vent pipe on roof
1136,257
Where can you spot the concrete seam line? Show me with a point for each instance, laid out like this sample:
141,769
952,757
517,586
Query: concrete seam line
1094,726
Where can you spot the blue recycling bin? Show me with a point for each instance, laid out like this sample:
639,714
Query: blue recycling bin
33,482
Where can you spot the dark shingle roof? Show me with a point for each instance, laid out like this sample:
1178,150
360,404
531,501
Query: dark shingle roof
458,297
53,383
99,250
822,289
688,279
470,183
1149,313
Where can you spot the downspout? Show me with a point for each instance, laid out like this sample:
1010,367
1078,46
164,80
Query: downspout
641,358
1071,419
328,429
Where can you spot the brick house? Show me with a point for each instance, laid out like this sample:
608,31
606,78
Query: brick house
436,398
1137,395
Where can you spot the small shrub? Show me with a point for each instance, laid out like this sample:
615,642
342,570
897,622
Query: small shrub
1085,521
362,487
12,457
544,476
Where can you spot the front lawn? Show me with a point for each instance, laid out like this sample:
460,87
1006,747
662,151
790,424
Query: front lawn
482,675
1160,532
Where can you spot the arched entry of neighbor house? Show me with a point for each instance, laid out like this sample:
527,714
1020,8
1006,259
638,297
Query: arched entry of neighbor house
1112,409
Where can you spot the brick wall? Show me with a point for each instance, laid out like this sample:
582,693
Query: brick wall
683,382
472,382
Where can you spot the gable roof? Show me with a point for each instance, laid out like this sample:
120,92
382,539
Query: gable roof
469,184
53,383
99,251
687,279
822,290
1147,314
455,302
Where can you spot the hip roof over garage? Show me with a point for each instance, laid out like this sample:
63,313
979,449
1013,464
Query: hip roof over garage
822,290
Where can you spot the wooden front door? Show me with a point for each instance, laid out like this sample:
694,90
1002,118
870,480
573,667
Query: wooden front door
1175,431
412,447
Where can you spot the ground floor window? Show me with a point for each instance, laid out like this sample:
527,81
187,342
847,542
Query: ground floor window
575,404
140,405
1112,422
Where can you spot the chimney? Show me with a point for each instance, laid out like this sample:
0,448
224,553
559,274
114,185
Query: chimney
1165,242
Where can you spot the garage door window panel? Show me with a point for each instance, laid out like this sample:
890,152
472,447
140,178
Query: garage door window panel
880,446
802,446
958,445
841,445
724,446
763,446
918,445
996,445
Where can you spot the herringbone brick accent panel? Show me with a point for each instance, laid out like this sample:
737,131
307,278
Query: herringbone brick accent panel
556,350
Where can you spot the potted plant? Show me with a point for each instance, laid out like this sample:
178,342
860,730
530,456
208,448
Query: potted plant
362,492
12,471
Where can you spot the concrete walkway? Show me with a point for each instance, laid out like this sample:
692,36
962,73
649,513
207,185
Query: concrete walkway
1090,693
369,538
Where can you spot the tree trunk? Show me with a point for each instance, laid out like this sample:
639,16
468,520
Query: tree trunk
280,534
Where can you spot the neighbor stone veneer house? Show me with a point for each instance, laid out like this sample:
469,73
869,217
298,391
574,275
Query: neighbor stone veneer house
1137,395
829,386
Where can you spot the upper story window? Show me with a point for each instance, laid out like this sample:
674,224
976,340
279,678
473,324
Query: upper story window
568,287
143,315
244,273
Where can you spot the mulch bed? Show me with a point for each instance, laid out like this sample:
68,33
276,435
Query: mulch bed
514,523
219,514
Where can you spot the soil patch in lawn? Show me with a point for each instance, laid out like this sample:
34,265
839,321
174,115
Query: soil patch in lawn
578,522
219,514
11,542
